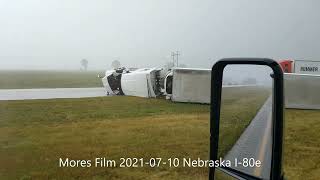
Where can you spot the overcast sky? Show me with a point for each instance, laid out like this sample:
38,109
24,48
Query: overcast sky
57,34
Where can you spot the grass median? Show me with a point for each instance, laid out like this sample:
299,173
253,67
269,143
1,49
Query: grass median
34,134
302,144
14,79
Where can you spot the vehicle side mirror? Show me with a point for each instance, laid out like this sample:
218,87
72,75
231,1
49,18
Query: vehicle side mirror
276,102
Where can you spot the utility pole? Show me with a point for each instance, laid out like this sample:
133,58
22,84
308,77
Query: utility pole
177,54
173,54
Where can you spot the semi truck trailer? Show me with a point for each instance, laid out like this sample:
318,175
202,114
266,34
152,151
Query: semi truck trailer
300,66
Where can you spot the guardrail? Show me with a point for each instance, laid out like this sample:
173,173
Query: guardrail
302,91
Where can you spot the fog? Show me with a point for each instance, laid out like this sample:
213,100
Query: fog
238,74
57,34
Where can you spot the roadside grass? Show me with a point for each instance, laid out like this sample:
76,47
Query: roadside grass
34,134
302,144
25,79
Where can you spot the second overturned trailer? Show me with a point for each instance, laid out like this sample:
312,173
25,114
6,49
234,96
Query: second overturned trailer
189,85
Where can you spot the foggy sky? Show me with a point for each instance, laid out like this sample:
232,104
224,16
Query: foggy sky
57,34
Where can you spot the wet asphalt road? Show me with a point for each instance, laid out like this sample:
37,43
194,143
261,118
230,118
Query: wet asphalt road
24,94
256,143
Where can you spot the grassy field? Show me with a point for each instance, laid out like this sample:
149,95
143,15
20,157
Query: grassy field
34,134
302,144
49,79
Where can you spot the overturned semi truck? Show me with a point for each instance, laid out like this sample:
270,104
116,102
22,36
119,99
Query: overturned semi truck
177,84
193,85
145,82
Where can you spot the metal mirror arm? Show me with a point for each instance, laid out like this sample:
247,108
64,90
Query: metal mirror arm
278,105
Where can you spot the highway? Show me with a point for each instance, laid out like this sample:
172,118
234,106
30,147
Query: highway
24,94
255,142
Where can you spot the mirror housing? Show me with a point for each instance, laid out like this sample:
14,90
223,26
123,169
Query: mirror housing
277,116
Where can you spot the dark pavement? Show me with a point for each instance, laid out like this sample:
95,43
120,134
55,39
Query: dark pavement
256,143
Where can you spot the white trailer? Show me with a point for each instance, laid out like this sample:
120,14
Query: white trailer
306,67
302,91
190,85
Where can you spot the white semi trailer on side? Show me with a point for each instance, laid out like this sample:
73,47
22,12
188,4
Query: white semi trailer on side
307,67
300,66
188,85
301,83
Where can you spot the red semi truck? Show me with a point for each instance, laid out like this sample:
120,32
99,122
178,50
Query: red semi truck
300,66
